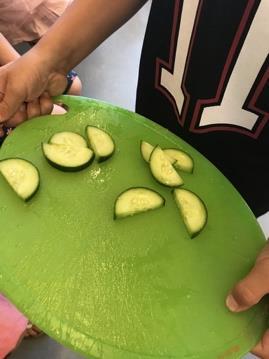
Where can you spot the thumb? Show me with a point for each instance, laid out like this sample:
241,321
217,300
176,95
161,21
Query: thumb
9,104
250,290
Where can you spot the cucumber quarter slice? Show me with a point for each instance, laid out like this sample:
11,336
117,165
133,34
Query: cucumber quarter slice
192,209
69,139
136,200
21,175
101,142
163,170
67,158
146,150
183,161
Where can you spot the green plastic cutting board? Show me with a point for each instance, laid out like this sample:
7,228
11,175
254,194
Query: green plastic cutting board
132,288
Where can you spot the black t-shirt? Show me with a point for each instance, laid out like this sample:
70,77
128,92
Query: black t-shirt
204,74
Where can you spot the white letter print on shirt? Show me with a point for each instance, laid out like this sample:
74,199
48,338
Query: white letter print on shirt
229,100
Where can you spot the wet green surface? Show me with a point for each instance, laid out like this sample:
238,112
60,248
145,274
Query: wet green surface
133,288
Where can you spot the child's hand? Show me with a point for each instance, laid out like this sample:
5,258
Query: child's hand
42,106
24,81
249,291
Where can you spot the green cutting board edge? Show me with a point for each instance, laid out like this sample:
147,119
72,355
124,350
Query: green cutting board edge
132,288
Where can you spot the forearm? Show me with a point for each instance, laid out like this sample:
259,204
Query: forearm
7,52
84,25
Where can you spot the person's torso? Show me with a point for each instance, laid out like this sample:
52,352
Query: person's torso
204,74
28,20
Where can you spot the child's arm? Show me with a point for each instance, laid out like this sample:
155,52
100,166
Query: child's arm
7,52
42,105
84,25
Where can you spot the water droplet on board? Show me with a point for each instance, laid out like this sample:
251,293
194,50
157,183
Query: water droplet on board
100,178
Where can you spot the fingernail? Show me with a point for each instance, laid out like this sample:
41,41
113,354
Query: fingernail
232,303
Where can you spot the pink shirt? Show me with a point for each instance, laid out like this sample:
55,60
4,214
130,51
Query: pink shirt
12,326
28,20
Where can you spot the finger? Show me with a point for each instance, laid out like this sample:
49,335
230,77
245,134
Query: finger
32,333
33,109
264,253
261,350
58,110
19,117
37,330
10,102
250,290
1,126
46,104
57,84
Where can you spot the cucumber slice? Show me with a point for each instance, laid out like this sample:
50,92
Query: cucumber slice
69,139
136,200
146,150
21,175
192,209
101,143
163,170
67,158
183,161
